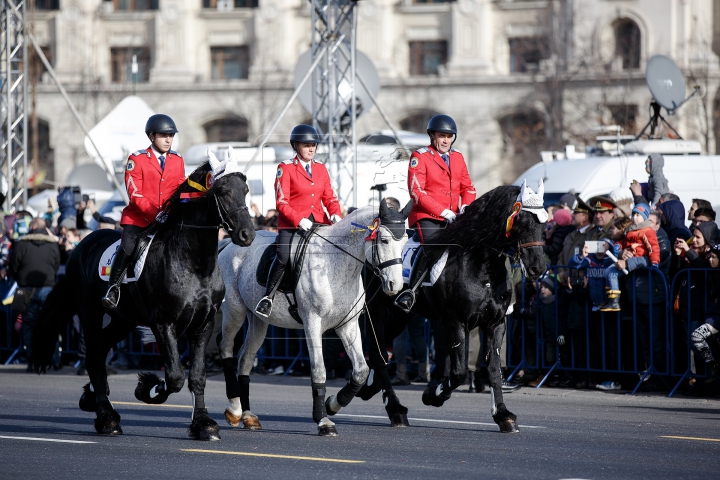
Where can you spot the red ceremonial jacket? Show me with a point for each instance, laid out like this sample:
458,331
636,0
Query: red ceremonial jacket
148,187
434,188
297,195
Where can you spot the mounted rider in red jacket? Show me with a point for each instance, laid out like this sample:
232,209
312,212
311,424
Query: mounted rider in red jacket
302,187
440,186
151,177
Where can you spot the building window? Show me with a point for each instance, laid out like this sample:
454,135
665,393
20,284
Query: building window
523,136
121,60
627,42
227,130
47,4
135,5
230,62
625,116
417,122
426,57
526,53
229,4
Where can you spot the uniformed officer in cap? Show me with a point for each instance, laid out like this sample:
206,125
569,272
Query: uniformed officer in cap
603,212
575,241
440,186
302,188
151,177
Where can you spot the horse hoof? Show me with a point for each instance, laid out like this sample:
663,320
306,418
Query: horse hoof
232,419
327,431
508,426
107,426
203,427
399,420
251,421
430,399
209,434
328,406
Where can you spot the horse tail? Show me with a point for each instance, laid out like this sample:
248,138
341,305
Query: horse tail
56,313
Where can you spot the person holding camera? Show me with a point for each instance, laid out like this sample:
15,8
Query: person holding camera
151,177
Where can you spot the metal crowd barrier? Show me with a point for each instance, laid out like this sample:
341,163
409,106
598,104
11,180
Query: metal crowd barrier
645,338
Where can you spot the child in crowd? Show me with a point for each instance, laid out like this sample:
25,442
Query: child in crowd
547,316
705,337
640,240
657,183
595,265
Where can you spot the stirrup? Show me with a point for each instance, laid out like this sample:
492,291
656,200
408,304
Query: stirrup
107,302
269,311
402,295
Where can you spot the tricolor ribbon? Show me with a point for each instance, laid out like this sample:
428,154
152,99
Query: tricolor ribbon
202,189
511,219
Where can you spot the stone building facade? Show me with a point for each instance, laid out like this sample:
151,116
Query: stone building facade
518,76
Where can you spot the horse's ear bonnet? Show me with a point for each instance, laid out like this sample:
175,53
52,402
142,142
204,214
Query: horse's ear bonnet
533,202
393,219
226,167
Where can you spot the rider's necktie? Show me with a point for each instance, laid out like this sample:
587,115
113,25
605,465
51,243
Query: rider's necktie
307,169
162,162
446,158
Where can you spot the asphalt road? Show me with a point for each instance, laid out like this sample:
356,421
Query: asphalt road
564,434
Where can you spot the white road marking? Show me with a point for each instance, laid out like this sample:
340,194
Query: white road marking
44,439
433,420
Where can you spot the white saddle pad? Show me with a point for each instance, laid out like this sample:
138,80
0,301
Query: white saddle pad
107,258
407,254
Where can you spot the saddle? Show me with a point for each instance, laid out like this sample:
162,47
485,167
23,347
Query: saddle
413,253
137,260
298,246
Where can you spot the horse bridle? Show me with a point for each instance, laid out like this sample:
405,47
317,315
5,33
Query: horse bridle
376,256
223,223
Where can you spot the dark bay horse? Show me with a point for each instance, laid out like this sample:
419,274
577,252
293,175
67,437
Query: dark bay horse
474,289
181,289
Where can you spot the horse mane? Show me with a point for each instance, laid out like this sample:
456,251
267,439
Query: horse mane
174,206
482,224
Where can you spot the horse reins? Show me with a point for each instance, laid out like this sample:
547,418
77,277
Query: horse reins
223,223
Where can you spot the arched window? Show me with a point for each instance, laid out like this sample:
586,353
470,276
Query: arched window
234,129
45,156
417,122
627,42
523,138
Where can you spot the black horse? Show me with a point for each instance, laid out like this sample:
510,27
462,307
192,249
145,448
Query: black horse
181,289
474,289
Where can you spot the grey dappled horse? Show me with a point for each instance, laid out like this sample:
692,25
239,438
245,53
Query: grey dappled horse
329,295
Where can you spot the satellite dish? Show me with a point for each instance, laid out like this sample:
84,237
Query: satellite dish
364,68
666,82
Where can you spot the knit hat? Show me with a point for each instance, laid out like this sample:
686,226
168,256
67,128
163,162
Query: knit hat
643,209
562,217
549,282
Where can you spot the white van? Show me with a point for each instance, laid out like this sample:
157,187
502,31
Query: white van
689,174
380,165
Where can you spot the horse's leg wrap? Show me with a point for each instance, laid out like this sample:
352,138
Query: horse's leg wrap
397,412
318,393
437,393
335,402
244,381
348,392
232,387
371,387
151,389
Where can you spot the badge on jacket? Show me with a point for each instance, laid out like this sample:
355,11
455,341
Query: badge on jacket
130,166
414,162
279,172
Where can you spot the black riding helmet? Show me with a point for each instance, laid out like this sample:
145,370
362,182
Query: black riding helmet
442,123
304,134
160,124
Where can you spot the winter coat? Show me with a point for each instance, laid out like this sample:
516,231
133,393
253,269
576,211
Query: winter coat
558,237
642,280
657,183
594,269
674,223
694,300
34,260
643,242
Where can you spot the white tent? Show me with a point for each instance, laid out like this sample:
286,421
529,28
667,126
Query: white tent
121,132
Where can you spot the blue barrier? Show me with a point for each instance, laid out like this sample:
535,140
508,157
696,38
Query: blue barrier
646,333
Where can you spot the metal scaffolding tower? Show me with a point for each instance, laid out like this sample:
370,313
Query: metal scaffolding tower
333,81
14,88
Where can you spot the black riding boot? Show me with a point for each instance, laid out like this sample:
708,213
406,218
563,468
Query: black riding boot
117,272
264,306
406,299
